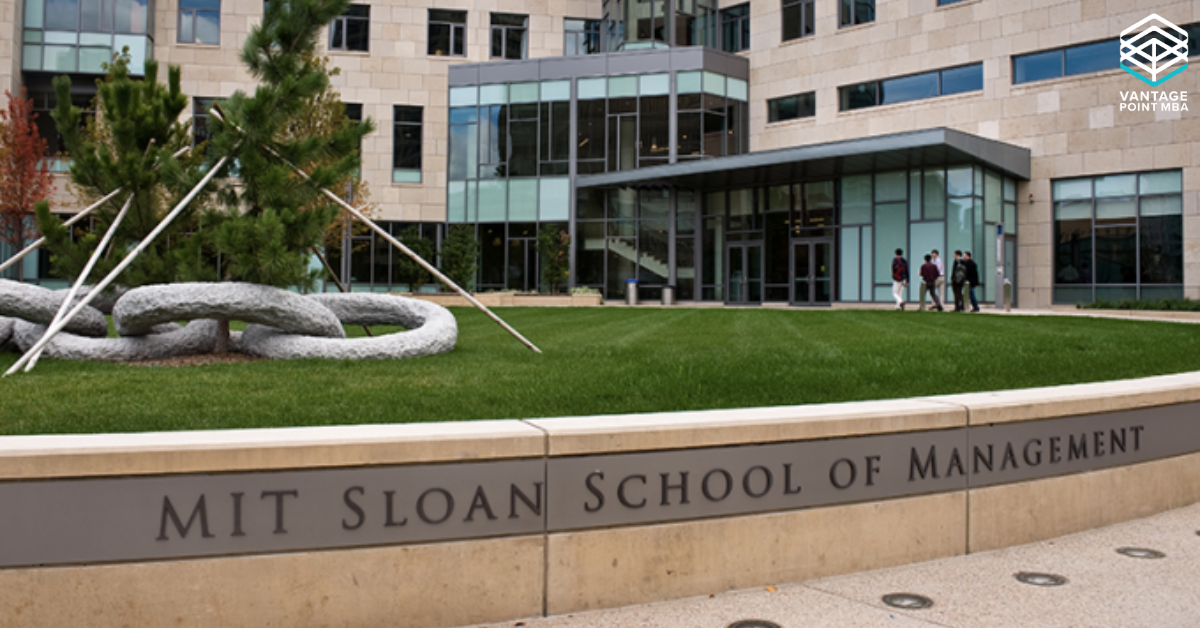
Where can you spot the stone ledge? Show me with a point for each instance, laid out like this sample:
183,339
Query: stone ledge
684,430
85,455
1031,404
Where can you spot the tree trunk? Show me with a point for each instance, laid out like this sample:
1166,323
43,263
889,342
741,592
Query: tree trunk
222,345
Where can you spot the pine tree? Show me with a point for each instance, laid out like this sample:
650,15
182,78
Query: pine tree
130,144
410,271
554,250
460,255
25,176
269,219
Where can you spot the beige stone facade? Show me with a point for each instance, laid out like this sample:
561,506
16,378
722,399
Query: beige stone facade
1073,126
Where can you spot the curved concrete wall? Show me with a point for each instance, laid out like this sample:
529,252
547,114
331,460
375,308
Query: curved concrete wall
459,523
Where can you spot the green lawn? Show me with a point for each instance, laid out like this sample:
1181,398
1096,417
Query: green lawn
605,361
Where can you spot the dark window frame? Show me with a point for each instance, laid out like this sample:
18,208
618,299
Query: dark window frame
505,31
406,117
1136,221
586,39
850,13
738,16
341,27
457,30
192,12
805,11
878,95
803,109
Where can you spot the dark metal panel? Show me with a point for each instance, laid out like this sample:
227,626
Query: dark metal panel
902,150
572,67
116,519
1039,449
725,63
596,491
509,71
463,75
639,62
684,59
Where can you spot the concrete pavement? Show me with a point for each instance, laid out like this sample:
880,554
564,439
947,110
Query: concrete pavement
1104,589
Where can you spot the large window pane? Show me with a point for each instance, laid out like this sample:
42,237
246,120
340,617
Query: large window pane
856,199
908,88
934,194
1161,182
1039,66
965,79
891,230
1102,55
1116,185
1116,254
1161,241
62,15
958,181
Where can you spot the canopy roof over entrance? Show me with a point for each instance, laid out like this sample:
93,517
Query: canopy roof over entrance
930,147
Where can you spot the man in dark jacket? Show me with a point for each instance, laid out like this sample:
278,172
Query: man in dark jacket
930,274
972,279
958,276
899,278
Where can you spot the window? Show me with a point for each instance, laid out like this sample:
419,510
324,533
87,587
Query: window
508,35
581,37
735,28
406,144
447,33
351,31
851,12
942,3
792,107
798,19
200,22
1082,59
1118,237
200,115
967,78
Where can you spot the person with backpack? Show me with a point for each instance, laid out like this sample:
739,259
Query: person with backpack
958,276
972,279
899,278
929,273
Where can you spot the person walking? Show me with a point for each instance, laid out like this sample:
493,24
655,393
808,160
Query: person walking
972,279
899,278
941,280
929,273
958,276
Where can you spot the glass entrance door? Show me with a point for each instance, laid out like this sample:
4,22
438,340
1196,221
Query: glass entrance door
744,273
812,272
522,265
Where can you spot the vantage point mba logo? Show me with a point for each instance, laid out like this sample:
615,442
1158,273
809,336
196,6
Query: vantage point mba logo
1154,48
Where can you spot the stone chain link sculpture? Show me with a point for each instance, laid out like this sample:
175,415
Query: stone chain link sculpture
283,324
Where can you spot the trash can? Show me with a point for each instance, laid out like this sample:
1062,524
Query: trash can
631,291
668,297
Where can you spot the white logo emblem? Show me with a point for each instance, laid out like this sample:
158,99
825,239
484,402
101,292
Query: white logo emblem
1154,50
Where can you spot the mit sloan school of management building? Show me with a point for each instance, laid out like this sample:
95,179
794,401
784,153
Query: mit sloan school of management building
771,151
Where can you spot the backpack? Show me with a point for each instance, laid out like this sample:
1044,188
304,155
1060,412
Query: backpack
960,273
899,270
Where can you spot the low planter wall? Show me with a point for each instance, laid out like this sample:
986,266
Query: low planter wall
465,523
506,299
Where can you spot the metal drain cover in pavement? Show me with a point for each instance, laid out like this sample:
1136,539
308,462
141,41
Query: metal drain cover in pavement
1041,579
753,623
909,601
1140,552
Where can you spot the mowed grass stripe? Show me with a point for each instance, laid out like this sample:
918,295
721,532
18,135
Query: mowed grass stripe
608,361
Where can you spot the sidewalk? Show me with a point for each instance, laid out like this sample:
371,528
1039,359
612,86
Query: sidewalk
1104,589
